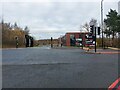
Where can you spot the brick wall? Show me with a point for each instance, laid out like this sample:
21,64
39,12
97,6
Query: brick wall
76,34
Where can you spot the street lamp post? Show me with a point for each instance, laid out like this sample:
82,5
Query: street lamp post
102,20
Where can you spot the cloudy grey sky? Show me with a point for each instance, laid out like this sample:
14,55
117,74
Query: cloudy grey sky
53,18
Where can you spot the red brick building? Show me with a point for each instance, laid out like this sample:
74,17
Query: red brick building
71,38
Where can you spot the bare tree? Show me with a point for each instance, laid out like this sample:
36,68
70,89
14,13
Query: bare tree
93,22
86,26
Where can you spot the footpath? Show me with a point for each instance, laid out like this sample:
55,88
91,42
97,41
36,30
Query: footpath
109,50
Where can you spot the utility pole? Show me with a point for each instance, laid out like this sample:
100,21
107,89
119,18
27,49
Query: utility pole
2,26
1,38
102,21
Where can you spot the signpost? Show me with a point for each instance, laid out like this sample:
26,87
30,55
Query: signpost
95,39
16,38
93,33
51,42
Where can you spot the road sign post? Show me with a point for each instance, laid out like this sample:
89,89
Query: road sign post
51,42
16,38
95,39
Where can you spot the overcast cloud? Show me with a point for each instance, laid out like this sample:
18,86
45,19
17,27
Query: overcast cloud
52,18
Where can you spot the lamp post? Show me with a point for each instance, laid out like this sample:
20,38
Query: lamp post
102,20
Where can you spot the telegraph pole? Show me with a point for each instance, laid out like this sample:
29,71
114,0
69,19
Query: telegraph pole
2,27
102,21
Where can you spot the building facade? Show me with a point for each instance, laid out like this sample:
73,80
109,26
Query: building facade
74,38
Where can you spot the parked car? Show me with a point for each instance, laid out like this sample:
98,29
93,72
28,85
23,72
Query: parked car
78,42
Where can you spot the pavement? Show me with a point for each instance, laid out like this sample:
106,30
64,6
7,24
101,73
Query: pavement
109,50
114,48
45,67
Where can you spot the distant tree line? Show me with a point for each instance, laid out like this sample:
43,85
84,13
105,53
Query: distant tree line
12,33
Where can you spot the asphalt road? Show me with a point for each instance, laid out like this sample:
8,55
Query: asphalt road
43,67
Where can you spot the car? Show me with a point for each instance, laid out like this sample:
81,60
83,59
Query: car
78,42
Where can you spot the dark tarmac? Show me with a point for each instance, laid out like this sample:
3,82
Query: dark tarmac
43,67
